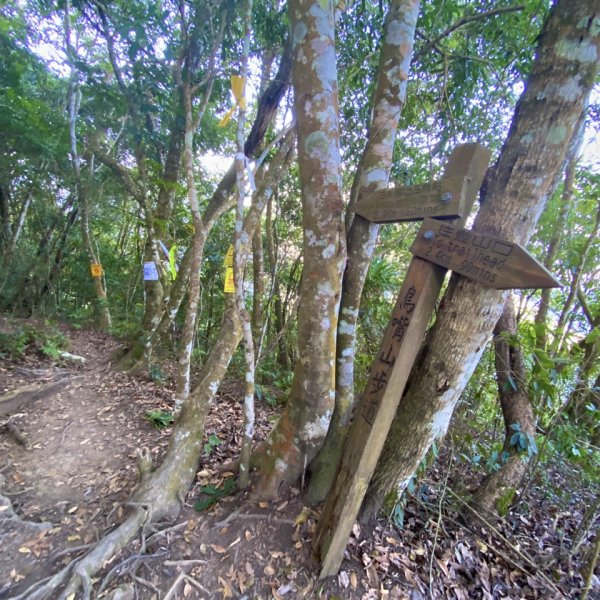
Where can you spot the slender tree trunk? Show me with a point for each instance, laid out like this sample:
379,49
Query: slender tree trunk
496,492
241,240
586,390
191,311
302,427
551,253
577,271
258,294
278,321
5,228
517,188
372,175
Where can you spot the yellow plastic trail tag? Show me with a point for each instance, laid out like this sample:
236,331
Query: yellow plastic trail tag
229,281
237,87
96,270
228,261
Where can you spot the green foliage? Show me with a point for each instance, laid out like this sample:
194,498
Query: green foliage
213,494
13,345
523,442
211,444
156,373
160,418
395,505
29,338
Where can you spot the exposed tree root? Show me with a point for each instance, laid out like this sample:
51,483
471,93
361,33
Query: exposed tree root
13,400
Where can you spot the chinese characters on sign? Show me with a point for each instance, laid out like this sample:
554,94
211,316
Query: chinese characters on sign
489,260
381,370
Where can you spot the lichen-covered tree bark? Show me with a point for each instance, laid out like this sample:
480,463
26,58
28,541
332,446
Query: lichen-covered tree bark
302,427
496,492
372,174
516,190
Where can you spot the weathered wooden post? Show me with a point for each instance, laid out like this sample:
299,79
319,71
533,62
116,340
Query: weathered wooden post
440,245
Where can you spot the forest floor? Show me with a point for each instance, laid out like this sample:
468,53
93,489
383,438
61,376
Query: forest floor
68,444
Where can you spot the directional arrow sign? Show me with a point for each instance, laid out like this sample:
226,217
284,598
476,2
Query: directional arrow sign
443,199
489,260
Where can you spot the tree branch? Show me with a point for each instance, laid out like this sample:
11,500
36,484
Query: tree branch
461,23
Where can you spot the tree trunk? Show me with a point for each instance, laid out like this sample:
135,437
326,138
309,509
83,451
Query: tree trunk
551,253
497,491
577,271
73,103
516,191
279,321
372,175
302,427
258,294
241,245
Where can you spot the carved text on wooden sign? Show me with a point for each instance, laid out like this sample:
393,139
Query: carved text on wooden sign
380,372
489,260
443,199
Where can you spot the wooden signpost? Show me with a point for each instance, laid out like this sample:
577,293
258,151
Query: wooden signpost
444,199
485,258
405,332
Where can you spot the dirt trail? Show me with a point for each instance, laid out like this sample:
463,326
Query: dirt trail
78,465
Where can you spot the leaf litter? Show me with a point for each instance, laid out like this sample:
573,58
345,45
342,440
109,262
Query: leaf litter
80,468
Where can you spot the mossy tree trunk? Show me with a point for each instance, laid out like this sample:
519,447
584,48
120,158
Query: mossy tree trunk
516,190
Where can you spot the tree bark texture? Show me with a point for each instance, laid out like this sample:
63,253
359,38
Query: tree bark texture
496,492
516,191
302,427
372,175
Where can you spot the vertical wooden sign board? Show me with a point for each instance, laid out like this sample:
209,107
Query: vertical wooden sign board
391,368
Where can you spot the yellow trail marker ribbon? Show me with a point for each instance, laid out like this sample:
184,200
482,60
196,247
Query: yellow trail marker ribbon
228,262
237,87
229,287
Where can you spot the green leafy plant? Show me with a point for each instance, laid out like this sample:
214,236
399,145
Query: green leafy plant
213,494
13,345
523,442
48,342
160,418
212,443
156,373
